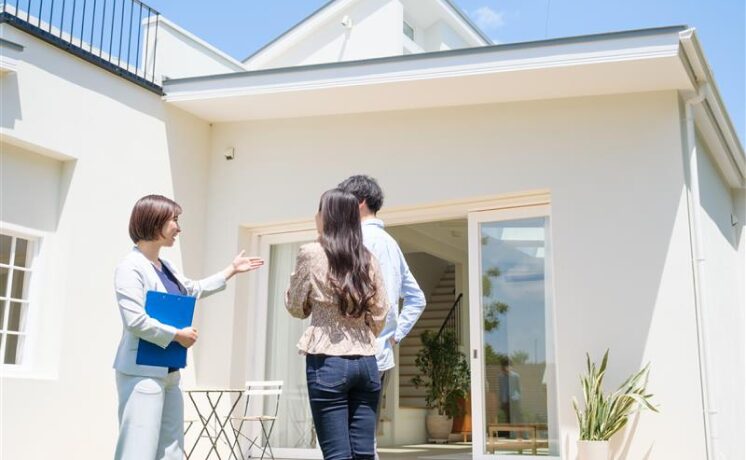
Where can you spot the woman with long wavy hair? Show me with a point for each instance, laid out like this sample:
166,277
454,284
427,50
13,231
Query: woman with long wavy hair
338,282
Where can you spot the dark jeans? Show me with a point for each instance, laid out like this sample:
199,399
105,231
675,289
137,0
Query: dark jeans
344,393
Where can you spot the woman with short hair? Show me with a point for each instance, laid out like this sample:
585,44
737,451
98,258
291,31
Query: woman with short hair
151,406
338,282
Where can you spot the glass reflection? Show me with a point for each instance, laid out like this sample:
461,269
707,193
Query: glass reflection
518,419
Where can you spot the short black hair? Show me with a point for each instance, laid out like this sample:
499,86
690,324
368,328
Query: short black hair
365,188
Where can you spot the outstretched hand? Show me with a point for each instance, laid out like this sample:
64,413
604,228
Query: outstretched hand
242,264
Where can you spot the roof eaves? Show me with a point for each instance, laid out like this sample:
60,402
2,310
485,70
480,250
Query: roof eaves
438,54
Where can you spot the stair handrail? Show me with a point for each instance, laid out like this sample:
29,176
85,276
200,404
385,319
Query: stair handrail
448,320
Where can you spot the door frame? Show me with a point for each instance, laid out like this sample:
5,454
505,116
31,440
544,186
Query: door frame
253,295
259,350
476,343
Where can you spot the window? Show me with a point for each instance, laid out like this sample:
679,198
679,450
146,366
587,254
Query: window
408,31
16,257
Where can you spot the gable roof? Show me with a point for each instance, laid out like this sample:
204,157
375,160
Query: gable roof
306,25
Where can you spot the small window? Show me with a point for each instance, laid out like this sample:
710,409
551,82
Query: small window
16,257
408,31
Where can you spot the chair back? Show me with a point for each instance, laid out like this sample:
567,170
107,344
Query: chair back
264,389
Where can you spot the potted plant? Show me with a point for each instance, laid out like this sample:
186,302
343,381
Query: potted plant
604,414
444,372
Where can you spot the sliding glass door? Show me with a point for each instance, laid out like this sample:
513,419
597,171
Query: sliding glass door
511,332
293,435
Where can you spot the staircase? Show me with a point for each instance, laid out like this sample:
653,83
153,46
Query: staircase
439,304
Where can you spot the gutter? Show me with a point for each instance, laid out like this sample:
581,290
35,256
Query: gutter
706,111
711,114
694,206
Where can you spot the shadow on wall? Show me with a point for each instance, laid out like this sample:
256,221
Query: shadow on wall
34,187
11,111
718,201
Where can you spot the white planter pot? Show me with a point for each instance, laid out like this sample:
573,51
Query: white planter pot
593,450
438,426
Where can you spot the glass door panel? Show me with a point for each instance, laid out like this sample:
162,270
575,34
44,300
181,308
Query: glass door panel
293,435
512,339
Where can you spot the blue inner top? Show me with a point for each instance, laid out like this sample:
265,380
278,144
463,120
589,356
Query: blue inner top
172,286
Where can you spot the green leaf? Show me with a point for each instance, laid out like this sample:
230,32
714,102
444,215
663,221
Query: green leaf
606,414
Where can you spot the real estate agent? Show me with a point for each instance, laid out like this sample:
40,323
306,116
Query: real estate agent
151,406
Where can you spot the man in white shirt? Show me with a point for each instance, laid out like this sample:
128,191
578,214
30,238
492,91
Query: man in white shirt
399,282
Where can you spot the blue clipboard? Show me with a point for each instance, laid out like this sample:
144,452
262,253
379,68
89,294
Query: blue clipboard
174,310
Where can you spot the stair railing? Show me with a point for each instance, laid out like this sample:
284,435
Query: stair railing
453,320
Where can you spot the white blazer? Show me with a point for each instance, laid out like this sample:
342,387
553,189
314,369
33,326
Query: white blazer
133,278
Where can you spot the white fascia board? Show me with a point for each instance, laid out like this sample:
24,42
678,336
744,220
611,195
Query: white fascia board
446,64
163,21
711,117
296,33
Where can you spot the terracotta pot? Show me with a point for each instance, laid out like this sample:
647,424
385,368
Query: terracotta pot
462,424
593,450
438,426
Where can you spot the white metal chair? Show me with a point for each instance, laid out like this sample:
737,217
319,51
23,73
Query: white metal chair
268,392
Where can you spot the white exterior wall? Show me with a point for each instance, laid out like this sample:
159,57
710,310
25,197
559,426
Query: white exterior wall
723,309
376,32
97,142
180,54
622,267
441,37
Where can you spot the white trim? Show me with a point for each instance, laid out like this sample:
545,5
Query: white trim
476,353
418,213
397,72
712,116
34,238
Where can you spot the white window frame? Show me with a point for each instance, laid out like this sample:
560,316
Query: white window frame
25,350
476,341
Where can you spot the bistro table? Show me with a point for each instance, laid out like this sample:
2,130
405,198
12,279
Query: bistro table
216,432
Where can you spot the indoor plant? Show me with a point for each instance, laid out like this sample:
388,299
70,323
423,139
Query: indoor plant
444,372
605,414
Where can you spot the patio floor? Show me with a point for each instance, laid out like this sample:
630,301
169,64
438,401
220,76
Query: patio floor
453,451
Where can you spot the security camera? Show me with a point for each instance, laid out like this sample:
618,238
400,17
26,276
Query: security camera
347,22
230,153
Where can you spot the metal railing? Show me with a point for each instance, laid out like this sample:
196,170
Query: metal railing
119,35
453,320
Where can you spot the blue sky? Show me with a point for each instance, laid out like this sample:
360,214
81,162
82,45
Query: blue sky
240,27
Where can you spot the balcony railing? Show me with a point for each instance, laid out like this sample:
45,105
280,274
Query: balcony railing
118,35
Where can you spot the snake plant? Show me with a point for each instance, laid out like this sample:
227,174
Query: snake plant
605,414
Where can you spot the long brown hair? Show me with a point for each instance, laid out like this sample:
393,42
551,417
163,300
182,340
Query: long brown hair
349,260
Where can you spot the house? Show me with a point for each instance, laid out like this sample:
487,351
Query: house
594,186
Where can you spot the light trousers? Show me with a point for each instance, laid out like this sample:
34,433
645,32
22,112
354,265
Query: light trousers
385,376
151,418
